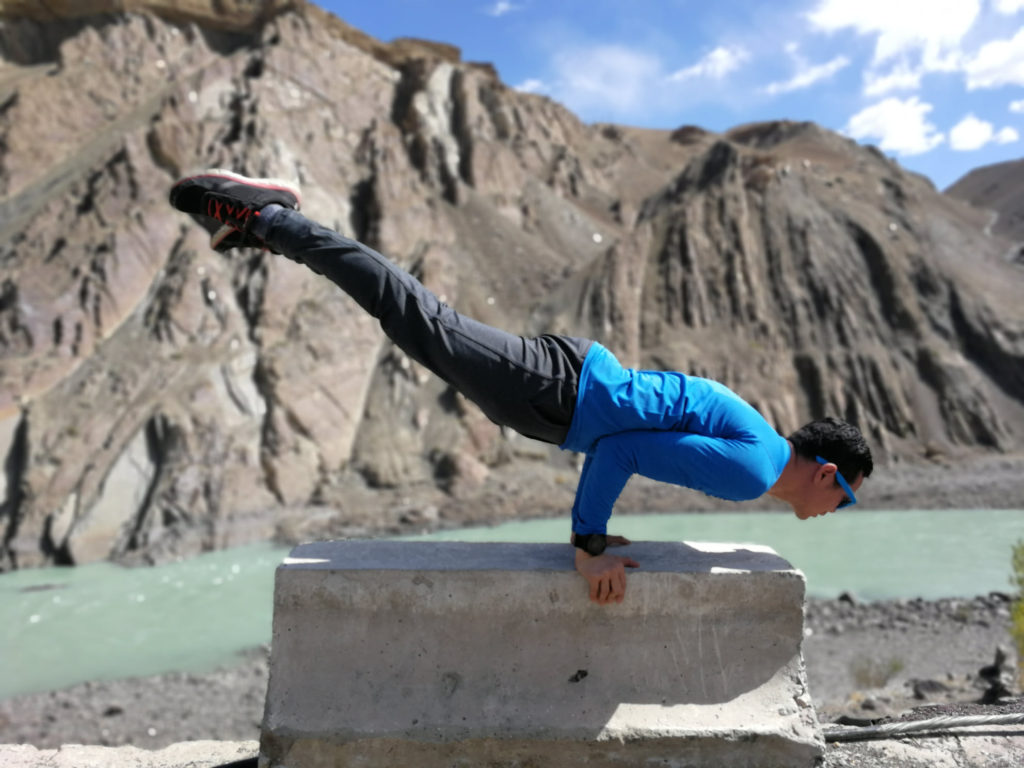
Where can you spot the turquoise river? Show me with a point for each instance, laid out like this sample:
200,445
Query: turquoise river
61,626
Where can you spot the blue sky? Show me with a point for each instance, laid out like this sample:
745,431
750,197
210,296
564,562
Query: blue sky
937,84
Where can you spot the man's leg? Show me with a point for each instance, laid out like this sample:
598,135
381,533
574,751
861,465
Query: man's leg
528,384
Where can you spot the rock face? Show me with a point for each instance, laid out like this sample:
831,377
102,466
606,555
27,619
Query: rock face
158,397
997,189
219,14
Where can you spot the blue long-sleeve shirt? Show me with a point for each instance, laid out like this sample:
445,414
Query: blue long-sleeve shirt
667,426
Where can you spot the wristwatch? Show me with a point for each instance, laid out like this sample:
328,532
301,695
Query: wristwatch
591,543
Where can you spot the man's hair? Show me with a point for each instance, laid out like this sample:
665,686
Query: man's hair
835,441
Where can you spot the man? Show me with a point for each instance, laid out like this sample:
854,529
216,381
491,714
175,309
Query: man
568,391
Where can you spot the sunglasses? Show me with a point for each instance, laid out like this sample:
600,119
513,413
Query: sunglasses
850,499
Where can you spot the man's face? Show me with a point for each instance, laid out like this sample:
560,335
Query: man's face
822,494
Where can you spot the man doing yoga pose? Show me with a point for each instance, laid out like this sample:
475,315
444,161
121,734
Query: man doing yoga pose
568,391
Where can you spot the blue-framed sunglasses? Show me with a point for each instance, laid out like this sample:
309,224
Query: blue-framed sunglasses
850,499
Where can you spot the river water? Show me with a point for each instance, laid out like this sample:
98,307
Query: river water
61,626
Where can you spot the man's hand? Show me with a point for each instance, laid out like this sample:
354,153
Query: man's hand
606,574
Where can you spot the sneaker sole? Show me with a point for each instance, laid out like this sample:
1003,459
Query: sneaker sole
218,237
220,173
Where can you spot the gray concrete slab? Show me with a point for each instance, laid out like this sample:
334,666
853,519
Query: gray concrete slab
446,653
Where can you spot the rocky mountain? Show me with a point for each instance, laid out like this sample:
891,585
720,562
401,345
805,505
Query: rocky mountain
998,189
159,398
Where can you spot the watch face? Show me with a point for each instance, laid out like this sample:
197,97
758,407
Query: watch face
596,543
591,543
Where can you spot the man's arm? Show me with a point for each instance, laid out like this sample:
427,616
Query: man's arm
729,468
596,492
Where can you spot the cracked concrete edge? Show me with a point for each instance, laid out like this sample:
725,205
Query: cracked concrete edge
992,747
187,754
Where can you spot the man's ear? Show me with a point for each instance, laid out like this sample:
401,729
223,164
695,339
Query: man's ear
829,469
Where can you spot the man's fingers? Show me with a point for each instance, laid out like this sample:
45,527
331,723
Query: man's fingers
606,590
620,585
603,589
607,578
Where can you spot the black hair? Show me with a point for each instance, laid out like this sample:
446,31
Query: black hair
835,441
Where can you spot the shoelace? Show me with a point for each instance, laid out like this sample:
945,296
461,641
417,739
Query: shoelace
223,211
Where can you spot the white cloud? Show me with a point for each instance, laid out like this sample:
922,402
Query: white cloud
501,7
1007,135
1009,7
605,77
970,134
715,65
997,63
934,28
917,37
1017,106
809,76
899,126
533,85
900,78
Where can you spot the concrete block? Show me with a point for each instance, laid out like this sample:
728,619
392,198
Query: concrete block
445,654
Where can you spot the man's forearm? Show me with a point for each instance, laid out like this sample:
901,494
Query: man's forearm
601,482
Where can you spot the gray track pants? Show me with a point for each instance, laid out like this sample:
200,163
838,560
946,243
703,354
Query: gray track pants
528,384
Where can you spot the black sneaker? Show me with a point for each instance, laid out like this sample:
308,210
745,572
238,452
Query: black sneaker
227,204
